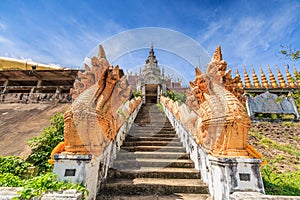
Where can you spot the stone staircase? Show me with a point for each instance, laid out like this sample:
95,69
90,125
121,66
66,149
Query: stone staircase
152,163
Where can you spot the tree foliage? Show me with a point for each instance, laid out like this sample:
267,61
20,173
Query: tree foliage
176,96
290,53
13,165
42,145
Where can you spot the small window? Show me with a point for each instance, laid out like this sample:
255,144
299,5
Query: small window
245,177
70,172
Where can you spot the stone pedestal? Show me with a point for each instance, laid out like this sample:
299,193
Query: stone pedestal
72,167
230,175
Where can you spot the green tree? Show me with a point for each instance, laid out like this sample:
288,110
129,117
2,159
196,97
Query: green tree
290,53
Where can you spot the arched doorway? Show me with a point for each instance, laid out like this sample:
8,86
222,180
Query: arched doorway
151,93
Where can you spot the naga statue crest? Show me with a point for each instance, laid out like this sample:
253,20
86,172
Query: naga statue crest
223,122
92,120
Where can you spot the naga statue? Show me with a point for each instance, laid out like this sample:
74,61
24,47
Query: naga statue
223,123
92,120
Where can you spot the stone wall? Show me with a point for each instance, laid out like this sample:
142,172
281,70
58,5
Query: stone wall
8,193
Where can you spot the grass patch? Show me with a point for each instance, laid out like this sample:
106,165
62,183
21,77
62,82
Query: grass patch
280,183
267,142
277,182
297,138
160,107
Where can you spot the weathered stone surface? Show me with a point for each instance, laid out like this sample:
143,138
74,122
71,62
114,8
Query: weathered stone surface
63,195
7,193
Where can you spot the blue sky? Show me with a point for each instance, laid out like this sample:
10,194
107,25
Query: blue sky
65,31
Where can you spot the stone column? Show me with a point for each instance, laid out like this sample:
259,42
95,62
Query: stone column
158,93
230,175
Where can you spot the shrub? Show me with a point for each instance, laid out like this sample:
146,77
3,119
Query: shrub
10,180
137,93
36,186
42,145
176,96
13,165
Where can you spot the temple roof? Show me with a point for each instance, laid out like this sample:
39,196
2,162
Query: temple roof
151,56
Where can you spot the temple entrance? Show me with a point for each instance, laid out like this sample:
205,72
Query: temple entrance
151,93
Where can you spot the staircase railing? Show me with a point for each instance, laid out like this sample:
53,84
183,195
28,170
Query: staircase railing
223,175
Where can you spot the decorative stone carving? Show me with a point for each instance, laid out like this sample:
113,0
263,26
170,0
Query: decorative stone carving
223,125
91,121
270,103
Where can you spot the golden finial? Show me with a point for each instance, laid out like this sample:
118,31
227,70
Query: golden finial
289,78
247,79
264,80
295,73
272,79
280,78
240,83
255,79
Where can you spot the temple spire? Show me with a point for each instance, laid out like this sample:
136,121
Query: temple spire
151,56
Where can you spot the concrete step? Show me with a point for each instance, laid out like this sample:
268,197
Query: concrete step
150,186
152,129
152,116
155,125
178,196
154,148
150,162
156,154
156,135
151,138
155,172
151,143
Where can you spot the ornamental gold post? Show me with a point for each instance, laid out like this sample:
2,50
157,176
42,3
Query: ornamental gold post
280,78
264,80
247,79
272,79
255,79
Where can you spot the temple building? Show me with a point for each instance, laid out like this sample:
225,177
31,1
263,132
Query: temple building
151,80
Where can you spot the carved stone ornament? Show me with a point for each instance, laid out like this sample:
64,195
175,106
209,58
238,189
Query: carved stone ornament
223,122
271,103
91,121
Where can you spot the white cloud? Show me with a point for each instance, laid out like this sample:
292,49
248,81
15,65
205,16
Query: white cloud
2,26
5,41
